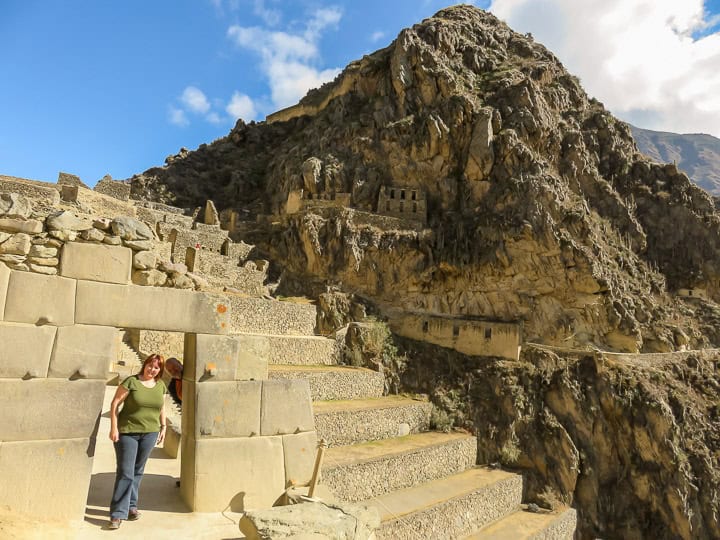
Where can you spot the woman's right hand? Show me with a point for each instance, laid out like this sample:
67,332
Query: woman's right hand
114,435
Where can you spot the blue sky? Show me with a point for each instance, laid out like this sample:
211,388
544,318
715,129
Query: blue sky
95,87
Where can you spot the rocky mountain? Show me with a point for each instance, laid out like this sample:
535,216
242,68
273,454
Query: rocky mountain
541,212
695,153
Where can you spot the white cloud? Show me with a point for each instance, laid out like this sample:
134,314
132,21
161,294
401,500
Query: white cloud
241,106
377,36
194,100
290,60
177,117
641,58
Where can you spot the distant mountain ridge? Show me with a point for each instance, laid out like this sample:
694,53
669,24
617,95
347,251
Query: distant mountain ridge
697,154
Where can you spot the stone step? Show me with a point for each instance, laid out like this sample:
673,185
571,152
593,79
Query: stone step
298,350
363,471
334,382
450,507
350,422
523,525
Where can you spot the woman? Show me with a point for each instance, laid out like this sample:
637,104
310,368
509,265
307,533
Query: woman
134,431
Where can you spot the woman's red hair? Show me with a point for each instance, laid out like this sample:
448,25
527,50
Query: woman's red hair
155,358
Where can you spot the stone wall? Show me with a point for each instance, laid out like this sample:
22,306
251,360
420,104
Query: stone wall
113,188
43,194
168,344
472,337
65,290
182,239
403,202
221,270
269,316
244,438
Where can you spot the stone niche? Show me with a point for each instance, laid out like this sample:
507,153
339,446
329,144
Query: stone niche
468,336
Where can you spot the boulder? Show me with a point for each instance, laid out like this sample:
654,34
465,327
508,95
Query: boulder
144,260
311,520
139,245
18,244
67,221
13,205
112,240
129,228
92,235
153,278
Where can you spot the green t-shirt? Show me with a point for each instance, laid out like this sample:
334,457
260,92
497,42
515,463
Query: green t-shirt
141,409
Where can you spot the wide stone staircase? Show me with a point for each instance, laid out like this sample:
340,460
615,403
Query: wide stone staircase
425,484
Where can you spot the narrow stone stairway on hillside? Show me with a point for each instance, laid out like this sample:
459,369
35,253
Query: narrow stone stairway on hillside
425,484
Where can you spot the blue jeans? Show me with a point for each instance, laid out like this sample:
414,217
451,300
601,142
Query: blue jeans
131,453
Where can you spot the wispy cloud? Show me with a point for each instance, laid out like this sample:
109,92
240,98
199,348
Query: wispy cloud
194,100
177,117
377,36
271,16
241,106
654,62
290,59
193,103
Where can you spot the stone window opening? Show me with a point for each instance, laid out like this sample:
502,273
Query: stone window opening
402,194
413,195
402,206
456,330
387,206
392,193
488,333
426,326
414,208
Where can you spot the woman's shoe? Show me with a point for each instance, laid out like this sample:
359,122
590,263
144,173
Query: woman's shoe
133,515
114,524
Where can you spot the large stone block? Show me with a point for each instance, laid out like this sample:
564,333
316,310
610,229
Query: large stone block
299,452
84,351
42,409
286,407
46,479
225,358
224,409
210,357
96,262
253,358
36,298
239,473
151,308
4,279
25,350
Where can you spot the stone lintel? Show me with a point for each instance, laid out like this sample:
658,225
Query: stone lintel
151,308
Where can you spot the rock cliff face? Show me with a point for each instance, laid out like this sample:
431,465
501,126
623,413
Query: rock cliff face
540,211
